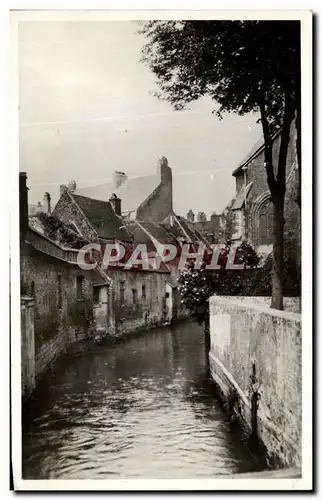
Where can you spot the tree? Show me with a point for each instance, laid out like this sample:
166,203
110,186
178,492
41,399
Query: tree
245,66
196,286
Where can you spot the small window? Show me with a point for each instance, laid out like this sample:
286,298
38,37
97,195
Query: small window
32,289
59,292
143,292
122,292
80,287
134,296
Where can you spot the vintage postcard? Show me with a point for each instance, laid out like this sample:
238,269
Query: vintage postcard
160,337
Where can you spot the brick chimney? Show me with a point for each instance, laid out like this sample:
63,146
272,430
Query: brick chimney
47,203
118,179
164,171
63,189
116,204
71,186
23,203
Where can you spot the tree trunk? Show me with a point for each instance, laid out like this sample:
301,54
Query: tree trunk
277,186
278,253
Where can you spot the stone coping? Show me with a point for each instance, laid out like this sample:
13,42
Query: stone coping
252,303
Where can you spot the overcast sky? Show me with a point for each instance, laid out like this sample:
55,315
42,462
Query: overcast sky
86,109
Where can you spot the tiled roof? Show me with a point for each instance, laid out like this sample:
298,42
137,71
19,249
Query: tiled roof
103,218
132,192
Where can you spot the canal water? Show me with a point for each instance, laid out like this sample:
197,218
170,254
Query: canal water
142,408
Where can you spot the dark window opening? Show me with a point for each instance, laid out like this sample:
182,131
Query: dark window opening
134,296
32,289
122,292
143,292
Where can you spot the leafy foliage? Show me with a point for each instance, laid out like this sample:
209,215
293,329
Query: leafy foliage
230,61
196,286
292,272
247,255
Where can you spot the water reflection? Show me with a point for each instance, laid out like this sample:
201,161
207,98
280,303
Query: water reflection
141,408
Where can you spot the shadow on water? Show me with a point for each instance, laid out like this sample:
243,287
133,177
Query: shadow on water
142,407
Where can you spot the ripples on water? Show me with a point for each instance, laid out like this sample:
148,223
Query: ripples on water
140,409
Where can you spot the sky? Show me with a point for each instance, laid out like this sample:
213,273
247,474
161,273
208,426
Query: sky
86,108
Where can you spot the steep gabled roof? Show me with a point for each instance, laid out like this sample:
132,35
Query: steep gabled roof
103,218
132,192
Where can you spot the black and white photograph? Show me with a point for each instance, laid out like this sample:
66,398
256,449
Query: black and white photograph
161,286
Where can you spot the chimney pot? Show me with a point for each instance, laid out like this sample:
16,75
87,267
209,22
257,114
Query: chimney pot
190,216
63,189
201,217
46,204
71,186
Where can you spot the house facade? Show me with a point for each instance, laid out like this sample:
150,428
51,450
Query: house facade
132,211
251,211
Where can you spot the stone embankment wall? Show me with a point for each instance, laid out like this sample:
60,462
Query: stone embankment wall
256,356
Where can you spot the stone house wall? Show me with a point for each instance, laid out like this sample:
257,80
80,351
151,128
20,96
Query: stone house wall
59,312
258,202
